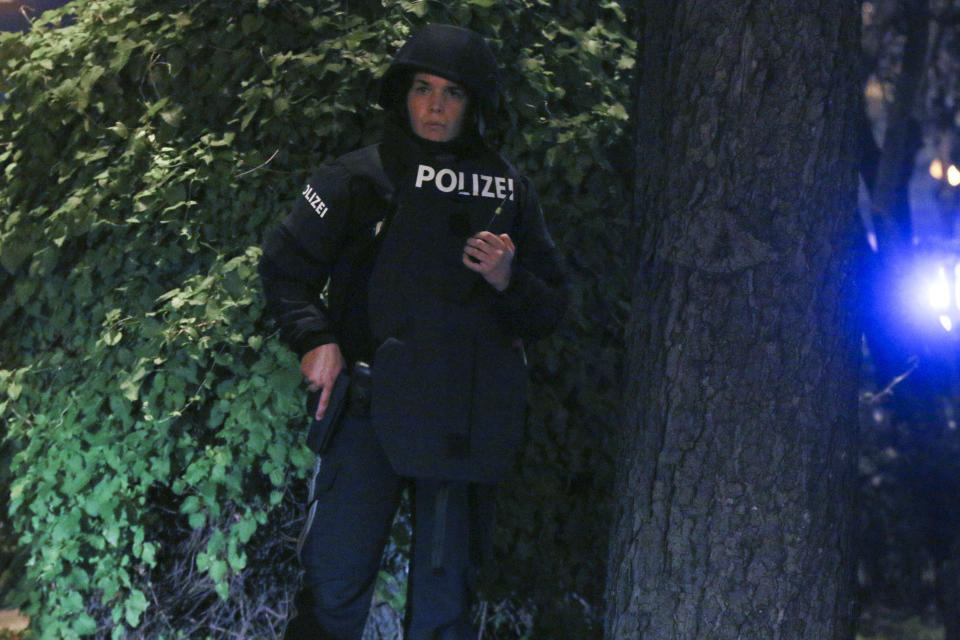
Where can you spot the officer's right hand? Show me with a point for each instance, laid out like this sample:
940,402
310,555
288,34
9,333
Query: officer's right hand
321,366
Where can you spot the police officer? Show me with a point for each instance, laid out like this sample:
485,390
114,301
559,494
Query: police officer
439,266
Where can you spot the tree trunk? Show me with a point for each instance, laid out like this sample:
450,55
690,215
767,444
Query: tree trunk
948,592
737,460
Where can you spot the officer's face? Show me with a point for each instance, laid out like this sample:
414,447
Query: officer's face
436,107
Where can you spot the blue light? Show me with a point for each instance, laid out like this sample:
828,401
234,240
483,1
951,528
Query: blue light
938,291
932,292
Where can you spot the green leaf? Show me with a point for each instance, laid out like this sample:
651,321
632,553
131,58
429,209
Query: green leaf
84,625
416,7
618,111
136,604
218,570
244,529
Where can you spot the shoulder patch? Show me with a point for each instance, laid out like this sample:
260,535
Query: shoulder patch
314,201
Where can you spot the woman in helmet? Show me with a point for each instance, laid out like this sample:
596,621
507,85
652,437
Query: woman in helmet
439,266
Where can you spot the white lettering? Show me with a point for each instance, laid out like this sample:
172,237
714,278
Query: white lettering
447,180
315,201
501,188
442,175
424,173
487,181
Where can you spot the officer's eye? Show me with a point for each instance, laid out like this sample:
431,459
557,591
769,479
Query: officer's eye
456,93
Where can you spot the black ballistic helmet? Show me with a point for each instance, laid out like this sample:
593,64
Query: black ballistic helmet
454,53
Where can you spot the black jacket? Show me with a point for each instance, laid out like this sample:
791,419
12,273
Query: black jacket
410,234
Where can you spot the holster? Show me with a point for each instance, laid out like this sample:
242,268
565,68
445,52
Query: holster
351,393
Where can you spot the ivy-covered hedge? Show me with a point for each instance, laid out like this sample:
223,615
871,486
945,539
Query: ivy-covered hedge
151,418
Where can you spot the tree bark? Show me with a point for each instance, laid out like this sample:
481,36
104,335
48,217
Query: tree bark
737,459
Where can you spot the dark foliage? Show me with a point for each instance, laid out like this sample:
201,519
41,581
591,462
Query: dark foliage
152,418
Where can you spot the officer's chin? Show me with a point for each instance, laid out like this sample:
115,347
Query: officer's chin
435,135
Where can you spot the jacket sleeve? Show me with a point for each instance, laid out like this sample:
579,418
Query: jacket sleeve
536,298
298,256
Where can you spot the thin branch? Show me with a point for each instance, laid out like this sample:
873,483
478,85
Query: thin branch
873,399
262,165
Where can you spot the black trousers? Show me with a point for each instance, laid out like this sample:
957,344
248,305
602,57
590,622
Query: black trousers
355,494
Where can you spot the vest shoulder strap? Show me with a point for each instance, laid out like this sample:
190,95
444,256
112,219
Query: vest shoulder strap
367,162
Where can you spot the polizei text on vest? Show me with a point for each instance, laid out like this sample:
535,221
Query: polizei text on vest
466,184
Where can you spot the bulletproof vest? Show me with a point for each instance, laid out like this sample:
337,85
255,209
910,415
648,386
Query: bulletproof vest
448,382
372,202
